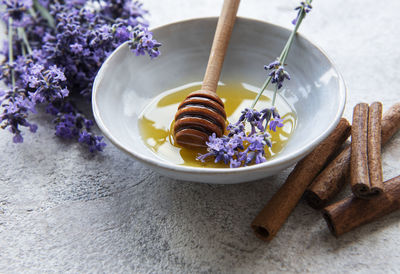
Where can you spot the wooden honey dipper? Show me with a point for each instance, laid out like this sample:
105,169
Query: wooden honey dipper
202,112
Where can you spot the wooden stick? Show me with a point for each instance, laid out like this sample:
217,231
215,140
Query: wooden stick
374,148
196,118
352,212
222,35
331,180
359,175
273,216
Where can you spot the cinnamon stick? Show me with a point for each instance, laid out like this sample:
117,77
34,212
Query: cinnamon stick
359,175
374,148
352,212
390,122
272,217
331,180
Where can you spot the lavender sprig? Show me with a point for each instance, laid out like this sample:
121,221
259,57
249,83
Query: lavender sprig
16,105
279,73
16,109
241,148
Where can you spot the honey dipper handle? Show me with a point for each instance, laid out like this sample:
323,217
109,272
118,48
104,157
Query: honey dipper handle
220,44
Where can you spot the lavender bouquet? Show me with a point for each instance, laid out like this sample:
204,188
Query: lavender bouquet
241,148
53,52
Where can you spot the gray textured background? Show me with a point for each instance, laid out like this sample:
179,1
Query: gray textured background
62,210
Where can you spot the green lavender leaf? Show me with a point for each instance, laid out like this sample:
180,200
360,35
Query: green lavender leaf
45,14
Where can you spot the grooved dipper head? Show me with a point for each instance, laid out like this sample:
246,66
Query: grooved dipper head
201,114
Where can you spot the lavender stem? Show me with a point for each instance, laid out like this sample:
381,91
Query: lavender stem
25,39
10,51
274,98
45,14
32,12
282,58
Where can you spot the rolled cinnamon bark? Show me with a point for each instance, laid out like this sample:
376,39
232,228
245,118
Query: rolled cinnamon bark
359,175
352,212
374,148
390,122
273,216
331,180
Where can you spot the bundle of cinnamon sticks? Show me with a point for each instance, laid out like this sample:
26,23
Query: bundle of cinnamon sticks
321,175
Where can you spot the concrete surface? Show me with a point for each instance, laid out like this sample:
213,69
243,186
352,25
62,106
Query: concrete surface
62,210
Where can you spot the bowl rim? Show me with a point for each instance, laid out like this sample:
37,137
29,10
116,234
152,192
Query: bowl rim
295,154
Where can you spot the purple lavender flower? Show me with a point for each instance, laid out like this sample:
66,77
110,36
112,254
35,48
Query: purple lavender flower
275,113
66,126
265,117
18,138
257,120
70,124
304,5
223,149
16,8
235,143
253,117
16,108
122,33
256,142
232,149
235,163
278,73
94,142
276,122
47,84
54,73
256,148
235,129
142,42
76,48
66,43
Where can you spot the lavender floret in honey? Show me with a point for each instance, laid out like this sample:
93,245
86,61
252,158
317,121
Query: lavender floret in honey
239,148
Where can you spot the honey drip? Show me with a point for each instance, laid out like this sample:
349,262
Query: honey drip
155,122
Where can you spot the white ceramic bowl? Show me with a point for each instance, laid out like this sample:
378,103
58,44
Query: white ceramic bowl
126,83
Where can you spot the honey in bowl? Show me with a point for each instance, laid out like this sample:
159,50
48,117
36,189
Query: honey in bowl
156,121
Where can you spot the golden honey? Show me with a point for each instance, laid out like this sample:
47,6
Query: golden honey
155,122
